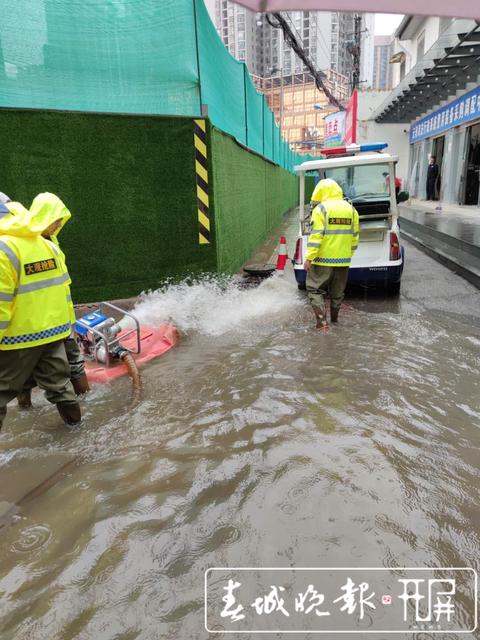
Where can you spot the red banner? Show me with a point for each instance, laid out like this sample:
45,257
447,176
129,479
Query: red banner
351,119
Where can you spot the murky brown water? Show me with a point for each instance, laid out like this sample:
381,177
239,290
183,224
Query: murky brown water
263,445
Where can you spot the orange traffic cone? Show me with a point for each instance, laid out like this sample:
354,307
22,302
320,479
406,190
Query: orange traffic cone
282,256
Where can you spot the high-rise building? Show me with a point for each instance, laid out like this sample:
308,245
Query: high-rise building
249,37
342,29
242,33
343,42
382,69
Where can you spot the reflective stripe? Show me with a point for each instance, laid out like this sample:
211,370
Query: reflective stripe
333,260
314,244
69,298
4,324
324,211
11,256
338,232
6,297
40,335
43,284
320,231
4,210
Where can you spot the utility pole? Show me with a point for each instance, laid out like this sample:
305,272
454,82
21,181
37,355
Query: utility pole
355,48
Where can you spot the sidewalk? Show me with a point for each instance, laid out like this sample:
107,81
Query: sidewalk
450,234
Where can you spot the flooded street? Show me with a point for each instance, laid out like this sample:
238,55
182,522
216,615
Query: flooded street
258,442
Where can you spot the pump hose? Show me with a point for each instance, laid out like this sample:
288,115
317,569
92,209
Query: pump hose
135,376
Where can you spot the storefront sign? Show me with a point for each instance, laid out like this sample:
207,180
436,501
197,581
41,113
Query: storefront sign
461,110
334,129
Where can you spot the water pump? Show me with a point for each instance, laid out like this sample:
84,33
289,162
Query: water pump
101,338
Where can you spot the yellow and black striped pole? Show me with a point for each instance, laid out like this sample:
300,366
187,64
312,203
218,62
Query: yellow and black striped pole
201,171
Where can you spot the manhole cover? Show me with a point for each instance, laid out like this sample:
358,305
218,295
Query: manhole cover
259,270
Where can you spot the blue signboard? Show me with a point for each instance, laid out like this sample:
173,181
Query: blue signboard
457,112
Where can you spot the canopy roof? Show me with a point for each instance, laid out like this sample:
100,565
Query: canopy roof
458,9
447,67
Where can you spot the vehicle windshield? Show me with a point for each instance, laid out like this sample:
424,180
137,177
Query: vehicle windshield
362,182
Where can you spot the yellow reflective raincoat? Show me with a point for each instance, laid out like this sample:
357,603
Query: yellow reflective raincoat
334,235
34,309
47,207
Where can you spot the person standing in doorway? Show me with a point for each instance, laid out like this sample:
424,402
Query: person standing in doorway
432,177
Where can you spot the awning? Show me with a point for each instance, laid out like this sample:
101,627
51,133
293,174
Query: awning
458,9
449,66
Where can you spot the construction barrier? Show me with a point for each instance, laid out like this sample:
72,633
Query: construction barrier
151,197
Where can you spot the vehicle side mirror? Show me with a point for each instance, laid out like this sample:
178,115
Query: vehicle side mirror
403,196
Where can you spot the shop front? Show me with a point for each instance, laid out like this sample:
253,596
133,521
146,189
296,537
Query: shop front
451,134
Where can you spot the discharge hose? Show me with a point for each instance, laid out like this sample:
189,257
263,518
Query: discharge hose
131,365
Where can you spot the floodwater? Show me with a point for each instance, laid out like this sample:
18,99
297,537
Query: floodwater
258,442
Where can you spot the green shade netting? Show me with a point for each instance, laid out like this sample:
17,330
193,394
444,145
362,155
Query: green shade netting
115,56
161,57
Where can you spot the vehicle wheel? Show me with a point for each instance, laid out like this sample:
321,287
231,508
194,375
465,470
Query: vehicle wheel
302,287
393,289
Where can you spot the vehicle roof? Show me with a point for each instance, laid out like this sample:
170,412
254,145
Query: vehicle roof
346,161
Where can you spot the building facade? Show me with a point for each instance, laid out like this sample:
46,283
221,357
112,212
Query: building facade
382,69
250,38
437,69
301,107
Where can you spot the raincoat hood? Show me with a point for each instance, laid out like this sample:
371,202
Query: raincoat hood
327,189
15,223
45,209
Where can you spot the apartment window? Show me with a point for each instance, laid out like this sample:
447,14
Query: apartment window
420,46
402,70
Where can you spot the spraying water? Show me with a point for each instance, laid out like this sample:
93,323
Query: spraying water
215,305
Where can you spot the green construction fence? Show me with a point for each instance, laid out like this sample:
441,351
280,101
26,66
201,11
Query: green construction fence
130,183
251,194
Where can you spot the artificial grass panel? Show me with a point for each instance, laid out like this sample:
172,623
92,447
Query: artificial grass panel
129,182
251,194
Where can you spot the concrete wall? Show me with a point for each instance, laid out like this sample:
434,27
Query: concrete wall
397,135
431,26
368,48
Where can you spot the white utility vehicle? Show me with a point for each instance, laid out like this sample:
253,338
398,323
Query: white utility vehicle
366,175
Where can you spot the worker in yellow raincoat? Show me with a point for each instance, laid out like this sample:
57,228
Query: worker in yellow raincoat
35,312
331,244
47,206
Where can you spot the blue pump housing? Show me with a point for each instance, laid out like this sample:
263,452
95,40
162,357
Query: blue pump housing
87,322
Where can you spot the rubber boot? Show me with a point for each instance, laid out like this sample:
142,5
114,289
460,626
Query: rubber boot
321,319
24,399
69,412
80,385
334,311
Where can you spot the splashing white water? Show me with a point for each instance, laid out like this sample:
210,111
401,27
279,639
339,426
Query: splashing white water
213,305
